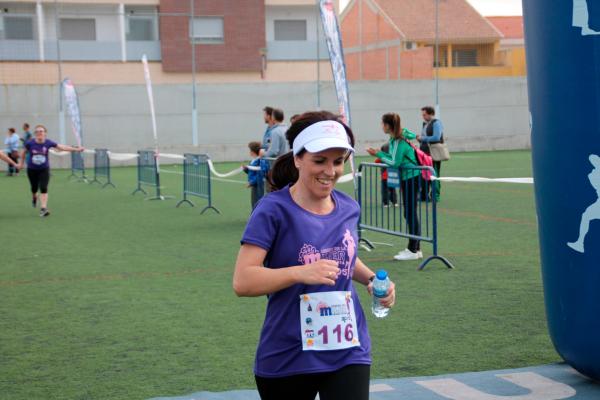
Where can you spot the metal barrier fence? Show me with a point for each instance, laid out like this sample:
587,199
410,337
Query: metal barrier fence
148,173
102,167
77,167
400,208
196,180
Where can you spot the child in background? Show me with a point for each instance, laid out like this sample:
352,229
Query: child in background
387,194
256,177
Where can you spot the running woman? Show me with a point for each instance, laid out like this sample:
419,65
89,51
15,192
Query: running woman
38,165
299,249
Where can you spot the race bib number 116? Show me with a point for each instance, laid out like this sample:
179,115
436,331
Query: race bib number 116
328,321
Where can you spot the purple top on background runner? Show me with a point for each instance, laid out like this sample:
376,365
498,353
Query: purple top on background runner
38,153
294,236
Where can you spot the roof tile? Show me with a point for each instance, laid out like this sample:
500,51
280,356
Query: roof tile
458,20
511,27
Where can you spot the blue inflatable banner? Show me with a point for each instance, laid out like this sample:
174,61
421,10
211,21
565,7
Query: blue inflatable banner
563,66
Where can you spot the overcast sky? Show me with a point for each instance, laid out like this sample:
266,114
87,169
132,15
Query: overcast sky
487,7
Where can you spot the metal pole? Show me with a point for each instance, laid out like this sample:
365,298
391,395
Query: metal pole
61,109
318,21
194,109
360,41
437,54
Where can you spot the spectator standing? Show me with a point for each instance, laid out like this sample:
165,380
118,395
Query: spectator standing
432,132
388,194
12,150
268,118
256,177
402,154
278,145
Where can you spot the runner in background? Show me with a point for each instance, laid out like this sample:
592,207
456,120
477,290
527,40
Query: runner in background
38,165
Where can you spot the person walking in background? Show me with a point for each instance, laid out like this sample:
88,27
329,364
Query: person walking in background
432,132
299,249
12,150
268,118
38,165
26,136
26,133
278,145
401,154
388,194
256,177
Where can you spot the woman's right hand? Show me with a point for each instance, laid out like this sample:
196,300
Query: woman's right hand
322,272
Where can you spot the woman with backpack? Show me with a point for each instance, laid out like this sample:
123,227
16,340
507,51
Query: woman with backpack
402,154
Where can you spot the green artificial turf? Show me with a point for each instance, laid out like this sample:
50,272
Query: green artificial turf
115,297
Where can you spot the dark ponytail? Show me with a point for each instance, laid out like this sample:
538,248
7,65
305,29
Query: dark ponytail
393,120
284,171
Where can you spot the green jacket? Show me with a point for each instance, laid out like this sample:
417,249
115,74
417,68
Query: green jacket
401,155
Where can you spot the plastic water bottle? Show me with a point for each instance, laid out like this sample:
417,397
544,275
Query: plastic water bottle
381,284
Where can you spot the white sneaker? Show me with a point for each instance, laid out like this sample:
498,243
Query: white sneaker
406,255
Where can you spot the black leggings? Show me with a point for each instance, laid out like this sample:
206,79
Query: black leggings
350,382
410,190
38,179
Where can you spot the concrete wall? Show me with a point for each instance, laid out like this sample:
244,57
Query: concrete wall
478,114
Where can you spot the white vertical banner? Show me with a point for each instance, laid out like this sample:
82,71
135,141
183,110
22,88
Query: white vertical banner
151,101
336,56
338,68
72,102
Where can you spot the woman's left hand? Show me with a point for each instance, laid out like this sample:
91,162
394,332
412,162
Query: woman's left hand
372,151
389,300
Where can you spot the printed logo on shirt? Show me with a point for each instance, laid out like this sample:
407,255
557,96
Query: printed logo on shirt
333,310
343,255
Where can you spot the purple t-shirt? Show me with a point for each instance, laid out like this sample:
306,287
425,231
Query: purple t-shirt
293,236
38,153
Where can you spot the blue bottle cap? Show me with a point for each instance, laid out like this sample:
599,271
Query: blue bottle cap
382,274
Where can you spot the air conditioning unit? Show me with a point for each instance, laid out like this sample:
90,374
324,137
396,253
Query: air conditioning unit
410,45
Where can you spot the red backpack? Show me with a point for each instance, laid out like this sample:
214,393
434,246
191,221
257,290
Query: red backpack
424,160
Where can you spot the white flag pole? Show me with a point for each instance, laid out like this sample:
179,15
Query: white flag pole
152,113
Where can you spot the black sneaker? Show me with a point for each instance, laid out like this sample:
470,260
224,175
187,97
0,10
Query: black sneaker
44,212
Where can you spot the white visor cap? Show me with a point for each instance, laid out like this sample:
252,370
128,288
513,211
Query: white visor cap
321,136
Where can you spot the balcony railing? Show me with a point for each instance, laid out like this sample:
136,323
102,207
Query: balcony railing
78,50
296,50
83,50
19,50
136,49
